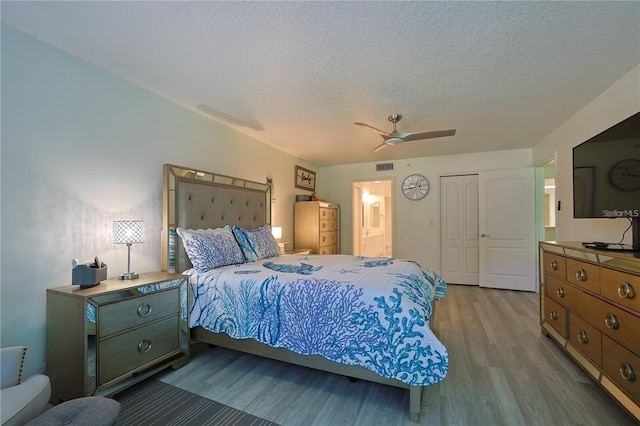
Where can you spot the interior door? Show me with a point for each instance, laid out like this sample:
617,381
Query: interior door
459,229
507,229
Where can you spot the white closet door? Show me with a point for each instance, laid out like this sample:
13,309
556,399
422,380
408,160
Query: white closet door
507,229
459,229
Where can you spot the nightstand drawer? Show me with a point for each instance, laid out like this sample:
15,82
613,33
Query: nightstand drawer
126,353
130,313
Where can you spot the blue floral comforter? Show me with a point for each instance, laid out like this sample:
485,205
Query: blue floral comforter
371,312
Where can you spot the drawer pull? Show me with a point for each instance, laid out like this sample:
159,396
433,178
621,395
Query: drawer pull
582,336
611,321
144,346
560,292
144,309
553,315
581,275
625,291
627,373
554,265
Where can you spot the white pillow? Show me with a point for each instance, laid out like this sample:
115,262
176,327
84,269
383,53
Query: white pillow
210,248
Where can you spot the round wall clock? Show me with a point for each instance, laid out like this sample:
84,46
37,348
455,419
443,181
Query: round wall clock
415,187
625,175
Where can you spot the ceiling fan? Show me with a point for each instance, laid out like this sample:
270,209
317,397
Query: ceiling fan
396,137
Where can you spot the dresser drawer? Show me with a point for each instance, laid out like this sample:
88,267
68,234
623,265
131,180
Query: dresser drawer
328,214
126,353
329,250
328,225
584,275
617,324
134,312
555,265
563,293
621,288
586,338
621,366
328,238
555,315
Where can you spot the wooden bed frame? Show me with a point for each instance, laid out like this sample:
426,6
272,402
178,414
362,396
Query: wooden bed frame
196,199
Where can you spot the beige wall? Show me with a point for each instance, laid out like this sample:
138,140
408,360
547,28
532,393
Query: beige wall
81,148
417,232
614,105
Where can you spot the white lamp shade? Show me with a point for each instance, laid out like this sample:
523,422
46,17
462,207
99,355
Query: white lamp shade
128,231
276,231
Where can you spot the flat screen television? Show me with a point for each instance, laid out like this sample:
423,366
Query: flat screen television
606,177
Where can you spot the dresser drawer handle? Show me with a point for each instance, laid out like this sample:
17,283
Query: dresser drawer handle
611,321
560,292
627,373
625,291
553,315
581,275
144,346
554,265
582,336
144,309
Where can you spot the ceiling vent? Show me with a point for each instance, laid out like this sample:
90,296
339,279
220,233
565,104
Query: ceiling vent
383,167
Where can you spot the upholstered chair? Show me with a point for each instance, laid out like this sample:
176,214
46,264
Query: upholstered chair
20,400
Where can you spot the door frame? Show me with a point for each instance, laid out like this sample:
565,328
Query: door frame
357,206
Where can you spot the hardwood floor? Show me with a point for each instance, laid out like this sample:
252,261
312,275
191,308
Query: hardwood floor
502,371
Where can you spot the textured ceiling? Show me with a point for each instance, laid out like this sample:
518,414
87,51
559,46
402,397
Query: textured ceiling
297,75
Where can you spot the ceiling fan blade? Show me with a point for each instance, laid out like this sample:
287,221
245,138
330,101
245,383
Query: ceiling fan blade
379,147
426,135
378,131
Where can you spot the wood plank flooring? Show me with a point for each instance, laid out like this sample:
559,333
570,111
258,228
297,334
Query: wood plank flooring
502,371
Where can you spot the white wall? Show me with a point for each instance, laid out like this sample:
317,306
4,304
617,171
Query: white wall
614,105
417,232
82,147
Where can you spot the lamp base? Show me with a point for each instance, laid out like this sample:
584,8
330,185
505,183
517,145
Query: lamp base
128,276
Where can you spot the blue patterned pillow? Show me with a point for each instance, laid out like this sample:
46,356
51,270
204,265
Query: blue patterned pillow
256,243
210,248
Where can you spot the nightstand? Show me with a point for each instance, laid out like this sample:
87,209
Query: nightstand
298,251
103,339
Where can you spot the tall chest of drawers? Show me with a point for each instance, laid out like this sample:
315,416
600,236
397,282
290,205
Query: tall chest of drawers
104,338
317,226
590,305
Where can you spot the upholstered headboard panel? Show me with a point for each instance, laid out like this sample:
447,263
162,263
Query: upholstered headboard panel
195,199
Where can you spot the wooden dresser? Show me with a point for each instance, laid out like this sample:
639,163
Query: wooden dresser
590,305
317,226
105,338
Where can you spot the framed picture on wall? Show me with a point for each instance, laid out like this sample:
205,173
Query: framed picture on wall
305,179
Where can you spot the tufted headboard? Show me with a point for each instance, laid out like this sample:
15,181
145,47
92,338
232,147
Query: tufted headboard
195,199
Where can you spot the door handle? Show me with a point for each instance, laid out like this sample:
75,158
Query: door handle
483,235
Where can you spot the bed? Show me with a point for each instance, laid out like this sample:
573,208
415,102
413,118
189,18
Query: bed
365,318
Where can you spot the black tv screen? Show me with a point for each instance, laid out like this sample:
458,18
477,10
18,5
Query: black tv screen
606,173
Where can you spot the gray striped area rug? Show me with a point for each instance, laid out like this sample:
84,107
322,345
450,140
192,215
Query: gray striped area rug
153,402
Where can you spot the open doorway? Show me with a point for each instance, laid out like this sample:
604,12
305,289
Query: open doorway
373,218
